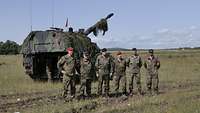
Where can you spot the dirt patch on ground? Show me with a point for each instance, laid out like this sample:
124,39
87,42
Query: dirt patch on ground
2,63
17,102
94,105
22,96
10,103
83,109
165,87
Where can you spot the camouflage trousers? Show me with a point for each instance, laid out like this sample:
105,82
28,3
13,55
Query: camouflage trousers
152,82
103,79
117,80
69,83
137,78
85,85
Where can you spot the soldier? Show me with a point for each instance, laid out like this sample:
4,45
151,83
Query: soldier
85,71
104,71
119,73
49,70
134,63
152,64
67,65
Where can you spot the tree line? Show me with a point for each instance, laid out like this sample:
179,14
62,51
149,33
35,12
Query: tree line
9,47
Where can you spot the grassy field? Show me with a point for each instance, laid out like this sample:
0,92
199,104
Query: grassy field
13,79
179,86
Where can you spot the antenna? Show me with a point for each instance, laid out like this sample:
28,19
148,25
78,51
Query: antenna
52,13
31,27
66,24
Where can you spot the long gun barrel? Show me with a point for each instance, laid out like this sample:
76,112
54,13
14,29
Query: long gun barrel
109,16
100,25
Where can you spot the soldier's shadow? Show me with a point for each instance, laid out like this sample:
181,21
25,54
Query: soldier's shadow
93,96
116,94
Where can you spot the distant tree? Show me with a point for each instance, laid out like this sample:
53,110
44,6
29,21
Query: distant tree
9,47
118,49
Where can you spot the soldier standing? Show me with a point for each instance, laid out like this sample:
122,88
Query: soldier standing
119,73
152,64
104,71
67,65
134,63
49,70
85,71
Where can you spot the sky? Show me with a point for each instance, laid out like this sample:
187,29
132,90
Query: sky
136,23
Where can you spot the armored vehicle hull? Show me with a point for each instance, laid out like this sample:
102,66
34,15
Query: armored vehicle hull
42,50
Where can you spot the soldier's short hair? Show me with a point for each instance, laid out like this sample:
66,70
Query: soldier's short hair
134,49
150,50
71,29
104,50
81,30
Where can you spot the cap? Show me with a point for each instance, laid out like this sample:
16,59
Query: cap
104,50
70,49
134,49
150,50
119,53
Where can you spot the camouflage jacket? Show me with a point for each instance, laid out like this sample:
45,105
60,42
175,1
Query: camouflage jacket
120,66
85,69
67,64
104,65
152,64
133,63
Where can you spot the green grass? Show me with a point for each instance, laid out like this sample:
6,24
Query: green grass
179,76
13,79
172,102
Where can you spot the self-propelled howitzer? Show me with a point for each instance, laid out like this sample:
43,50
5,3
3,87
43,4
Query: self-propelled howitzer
42,49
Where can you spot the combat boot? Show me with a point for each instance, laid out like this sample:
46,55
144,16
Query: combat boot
155,92
124,94
139,92
64,94
81,95
149,92
130,92
106,95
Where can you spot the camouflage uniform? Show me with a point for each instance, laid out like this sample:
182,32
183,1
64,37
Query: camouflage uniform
119,73
104,66
152,64
134,63
67,63
85,76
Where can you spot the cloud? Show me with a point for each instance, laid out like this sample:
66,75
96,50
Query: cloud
163,38
193,27
180,38
164,30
